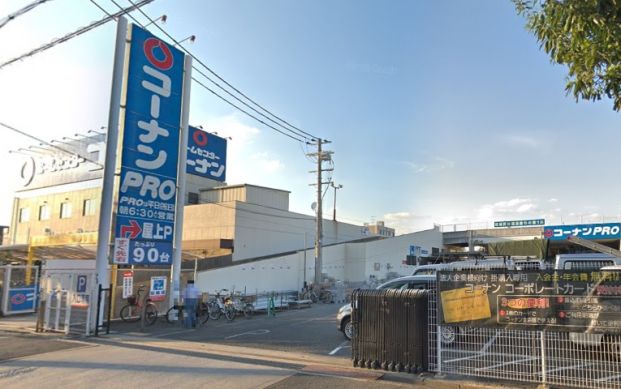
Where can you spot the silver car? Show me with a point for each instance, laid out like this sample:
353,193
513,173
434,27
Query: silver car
343,317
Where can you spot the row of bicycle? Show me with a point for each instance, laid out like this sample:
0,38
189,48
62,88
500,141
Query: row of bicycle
222,304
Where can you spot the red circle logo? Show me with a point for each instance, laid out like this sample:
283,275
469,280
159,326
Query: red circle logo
200,138
150,45
18,299
548,233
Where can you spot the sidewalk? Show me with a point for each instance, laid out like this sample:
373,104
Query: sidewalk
133,361
21,322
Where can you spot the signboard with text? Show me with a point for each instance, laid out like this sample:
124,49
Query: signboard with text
128,284
520,223
157,292
206,155
150,152
570,301
584,231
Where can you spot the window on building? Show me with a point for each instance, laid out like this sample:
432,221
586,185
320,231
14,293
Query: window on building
44,212
89,208
24,215
192,198
65,210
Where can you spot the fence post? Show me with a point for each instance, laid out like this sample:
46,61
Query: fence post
439,347
98,310
109,310
544,378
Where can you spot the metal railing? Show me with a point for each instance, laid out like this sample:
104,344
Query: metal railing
562,359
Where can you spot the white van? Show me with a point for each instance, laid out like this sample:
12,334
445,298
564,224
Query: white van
589,262
481,264
585,261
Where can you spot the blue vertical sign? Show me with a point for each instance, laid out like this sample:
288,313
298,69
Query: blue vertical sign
206,155
150,152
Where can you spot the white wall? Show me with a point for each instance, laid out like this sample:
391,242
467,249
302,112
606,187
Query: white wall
261,231
353,262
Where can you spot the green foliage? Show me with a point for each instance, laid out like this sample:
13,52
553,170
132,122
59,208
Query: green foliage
585,35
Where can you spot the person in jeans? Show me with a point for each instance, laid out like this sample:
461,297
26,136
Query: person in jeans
190,301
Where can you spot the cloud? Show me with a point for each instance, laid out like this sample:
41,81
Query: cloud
514,207
435,165
269,165
522,141
230,125
553,200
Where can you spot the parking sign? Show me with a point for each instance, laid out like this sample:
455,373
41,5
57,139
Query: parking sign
150,152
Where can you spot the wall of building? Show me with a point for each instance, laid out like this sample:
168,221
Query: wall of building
351,262
77,222
209,221
263,231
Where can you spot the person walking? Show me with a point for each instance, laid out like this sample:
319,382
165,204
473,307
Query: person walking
190,301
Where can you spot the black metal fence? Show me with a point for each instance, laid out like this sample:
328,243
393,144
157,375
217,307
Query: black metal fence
390,329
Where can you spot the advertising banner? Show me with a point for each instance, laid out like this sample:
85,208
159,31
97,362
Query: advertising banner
206,156
158,289
520,223
584,231
128,284
22,299
570,301
150,152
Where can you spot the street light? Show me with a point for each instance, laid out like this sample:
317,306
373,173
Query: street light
334,209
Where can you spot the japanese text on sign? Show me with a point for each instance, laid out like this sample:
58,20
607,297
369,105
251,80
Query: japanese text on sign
206,155
585,231
147,194
557,300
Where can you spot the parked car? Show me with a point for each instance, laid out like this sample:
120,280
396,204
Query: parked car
343,317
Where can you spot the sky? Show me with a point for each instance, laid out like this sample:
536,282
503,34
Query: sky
437,112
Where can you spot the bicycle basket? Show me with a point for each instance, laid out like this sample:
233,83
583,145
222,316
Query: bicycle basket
131,300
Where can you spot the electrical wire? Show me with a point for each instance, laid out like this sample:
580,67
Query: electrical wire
41,141
220,78
246,112
5,20
76,33
296,137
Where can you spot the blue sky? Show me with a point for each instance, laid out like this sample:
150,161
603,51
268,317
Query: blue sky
438,112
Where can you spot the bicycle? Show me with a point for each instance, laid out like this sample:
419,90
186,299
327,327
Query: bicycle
176,312
135,306
221,305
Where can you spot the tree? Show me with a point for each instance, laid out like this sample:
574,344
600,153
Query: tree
585,35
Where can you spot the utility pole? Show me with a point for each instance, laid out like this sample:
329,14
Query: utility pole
321,157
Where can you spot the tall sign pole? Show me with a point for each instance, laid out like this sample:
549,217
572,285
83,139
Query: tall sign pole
177,243
107,193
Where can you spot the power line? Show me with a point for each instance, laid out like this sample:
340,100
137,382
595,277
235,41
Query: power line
246,112
211,90
177,43
41,141
78,32
5,20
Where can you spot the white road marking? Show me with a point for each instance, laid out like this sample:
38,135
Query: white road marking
255,332
173,333
339,347
464,358
506,363
568,367
489,343
605,379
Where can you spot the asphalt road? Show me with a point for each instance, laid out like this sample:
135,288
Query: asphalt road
310,330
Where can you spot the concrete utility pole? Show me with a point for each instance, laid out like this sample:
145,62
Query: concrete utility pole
321,157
